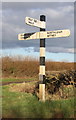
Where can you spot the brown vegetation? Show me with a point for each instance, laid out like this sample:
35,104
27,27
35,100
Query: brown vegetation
23,87
30,67
59,85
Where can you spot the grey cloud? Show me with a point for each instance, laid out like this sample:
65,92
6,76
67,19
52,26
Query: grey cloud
38,1
75,25
60,50
58,15
57,50
32,5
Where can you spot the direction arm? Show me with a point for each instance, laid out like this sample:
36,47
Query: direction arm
44,34
35,22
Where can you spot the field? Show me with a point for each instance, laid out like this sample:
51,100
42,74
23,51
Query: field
29,67
20,104
20,89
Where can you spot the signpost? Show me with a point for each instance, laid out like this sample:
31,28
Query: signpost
35,22
42,35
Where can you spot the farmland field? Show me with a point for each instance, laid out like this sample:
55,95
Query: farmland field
17,104
19,86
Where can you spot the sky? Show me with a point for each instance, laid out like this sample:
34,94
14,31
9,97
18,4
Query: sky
59,16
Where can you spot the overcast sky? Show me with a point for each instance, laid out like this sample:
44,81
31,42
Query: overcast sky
59,16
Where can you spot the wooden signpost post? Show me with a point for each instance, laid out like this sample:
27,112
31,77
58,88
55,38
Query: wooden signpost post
41,35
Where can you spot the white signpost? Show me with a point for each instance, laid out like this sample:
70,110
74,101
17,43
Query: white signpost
42,35
46,34
35,22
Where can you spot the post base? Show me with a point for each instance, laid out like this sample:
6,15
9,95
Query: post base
42,92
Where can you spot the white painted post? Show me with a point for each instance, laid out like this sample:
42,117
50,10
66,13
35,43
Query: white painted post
42,65
42,92
42,35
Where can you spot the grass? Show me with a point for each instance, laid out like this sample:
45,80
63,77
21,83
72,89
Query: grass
17,79
0,101
68,91
26,105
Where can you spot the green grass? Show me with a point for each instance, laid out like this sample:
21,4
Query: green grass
17,79
0,101
26,105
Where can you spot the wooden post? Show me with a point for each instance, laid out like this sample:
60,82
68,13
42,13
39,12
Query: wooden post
42,92
42,64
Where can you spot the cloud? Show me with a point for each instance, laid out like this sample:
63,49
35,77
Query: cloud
38,1
58,16
58,50
61,50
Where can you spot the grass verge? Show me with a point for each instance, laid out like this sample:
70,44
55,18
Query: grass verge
5,81
26,105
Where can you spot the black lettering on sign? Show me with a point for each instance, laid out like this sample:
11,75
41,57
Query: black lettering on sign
31,22
54,32
35,21
51,35
30,19
49,32
60,31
